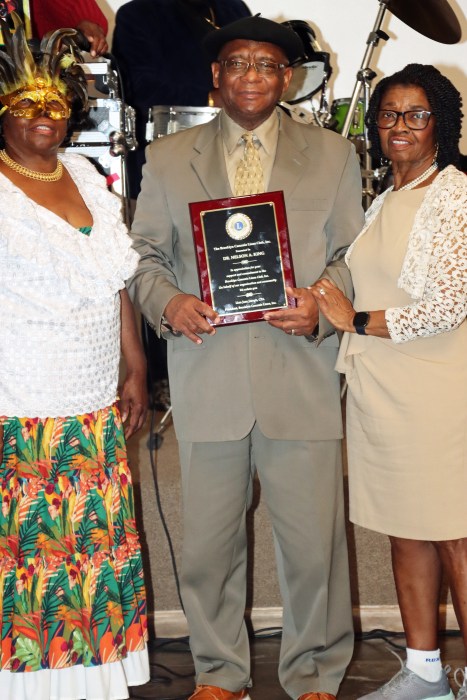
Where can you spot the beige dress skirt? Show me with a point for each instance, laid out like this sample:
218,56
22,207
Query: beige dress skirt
406,402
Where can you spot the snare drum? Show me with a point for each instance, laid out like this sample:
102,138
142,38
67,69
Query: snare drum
165,120
340,109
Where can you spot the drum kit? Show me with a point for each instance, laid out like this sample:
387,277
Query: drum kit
434,19
114,133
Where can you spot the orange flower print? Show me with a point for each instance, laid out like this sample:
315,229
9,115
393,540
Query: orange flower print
5,505
49,489
54,508
21,583
58,652
86,428
15,663
135,636
107,648
26,431
114,612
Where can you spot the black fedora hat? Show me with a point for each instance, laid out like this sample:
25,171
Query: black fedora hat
255,28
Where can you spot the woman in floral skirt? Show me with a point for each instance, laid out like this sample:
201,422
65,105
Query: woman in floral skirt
72,600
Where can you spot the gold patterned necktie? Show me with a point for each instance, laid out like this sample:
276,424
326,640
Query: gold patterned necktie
249,176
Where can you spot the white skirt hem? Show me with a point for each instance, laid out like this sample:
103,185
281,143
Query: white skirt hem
106,682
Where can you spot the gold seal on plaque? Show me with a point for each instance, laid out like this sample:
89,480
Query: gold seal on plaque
239,226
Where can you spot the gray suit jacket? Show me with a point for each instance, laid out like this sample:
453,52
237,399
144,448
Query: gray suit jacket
250,371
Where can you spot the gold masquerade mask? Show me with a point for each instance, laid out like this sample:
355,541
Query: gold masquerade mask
33,100
44,84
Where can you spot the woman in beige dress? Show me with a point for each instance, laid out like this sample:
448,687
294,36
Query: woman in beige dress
404,353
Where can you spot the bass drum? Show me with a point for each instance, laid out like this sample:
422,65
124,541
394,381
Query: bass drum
312,70
164,120
340,110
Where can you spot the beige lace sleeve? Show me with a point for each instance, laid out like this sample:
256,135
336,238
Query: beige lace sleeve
435,265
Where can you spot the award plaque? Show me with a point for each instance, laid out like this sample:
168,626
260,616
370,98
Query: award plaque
243,255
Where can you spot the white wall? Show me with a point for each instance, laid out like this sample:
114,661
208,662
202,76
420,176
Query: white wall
342,28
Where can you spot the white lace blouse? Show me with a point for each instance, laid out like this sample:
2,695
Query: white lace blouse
434,271
59,300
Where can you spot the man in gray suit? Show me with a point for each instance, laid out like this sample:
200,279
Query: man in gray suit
256,397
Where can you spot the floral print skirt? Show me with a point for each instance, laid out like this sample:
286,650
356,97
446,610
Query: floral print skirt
71,577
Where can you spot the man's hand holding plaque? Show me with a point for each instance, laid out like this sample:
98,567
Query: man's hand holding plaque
299,320
189,315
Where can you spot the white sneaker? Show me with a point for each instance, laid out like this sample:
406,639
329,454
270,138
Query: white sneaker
462,693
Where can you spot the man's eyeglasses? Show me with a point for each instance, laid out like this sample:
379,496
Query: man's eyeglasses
235,66
416,119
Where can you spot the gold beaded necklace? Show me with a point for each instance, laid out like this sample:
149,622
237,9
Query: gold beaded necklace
33,174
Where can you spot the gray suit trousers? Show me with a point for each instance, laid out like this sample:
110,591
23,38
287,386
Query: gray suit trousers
301,483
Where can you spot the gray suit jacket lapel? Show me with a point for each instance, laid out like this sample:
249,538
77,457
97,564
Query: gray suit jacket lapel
290,163
209,163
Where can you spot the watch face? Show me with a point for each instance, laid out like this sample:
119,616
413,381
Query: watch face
360,321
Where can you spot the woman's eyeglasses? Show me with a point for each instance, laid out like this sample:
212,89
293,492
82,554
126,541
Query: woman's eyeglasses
416,119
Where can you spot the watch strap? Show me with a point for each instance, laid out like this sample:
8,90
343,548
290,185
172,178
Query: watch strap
360,321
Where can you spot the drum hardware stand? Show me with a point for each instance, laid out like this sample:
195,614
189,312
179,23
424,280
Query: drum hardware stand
155,440
120,143
299,114
104,77
364,77
119,148
319,117
150,127
323,116
112,136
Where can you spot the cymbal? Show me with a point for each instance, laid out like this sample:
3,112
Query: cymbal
432,18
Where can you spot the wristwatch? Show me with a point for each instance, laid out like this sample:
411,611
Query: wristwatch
360,321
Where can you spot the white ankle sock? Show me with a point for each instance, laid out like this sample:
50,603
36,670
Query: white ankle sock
426,664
